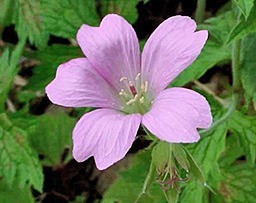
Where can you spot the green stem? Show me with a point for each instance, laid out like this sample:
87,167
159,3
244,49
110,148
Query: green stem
147,181
200,11
236,66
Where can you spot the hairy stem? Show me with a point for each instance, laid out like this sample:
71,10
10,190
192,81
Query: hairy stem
200,11
209,91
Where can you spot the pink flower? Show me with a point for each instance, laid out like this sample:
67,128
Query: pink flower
129,89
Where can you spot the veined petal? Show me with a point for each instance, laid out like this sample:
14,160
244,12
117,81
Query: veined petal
105,134
112,49
176,114
77,84
172,47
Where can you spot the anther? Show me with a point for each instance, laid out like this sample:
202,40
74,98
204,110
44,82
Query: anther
137,76
123,78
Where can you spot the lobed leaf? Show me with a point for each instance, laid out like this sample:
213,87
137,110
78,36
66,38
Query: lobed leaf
238,184
63,18
8,70
28,22
18,162
245,128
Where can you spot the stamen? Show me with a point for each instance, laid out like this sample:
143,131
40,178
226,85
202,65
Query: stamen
146,86
142,87
123,78
137,76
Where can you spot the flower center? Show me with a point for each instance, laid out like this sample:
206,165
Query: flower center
134,95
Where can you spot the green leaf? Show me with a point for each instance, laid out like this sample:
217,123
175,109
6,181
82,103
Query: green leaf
203,63
50,59
244,27
17,159
219,27
126,9
8,70
132,180
206,154
15,194
52,136
245,128
28,23
245,6
248,62
63,18
230,155
239,184
6,12
193,192
207,151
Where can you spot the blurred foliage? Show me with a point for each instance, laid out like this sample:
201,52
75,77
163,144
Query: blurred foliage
225,154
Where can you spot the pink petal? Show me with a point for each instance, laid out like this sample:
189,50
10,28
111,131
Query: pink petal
172,47
176,114
77,84
105,134
112,49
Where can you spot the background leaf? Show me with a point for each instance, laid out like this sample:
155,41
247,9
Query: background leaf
17,160
126,9
15,194
248,68
244,27
132,180
52,136
28,22
8,70
238,185
245,6
245,128
50,59
63,18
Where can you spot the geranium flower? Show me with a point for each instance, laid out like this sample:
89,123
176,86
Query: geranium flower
129,89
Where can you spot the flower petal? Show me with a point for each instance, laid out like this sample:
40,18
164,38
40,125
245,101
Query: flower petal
112,49
175,115
77,84
105,134
172,47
